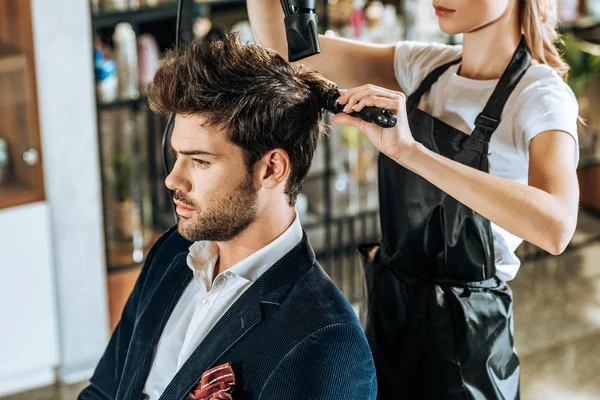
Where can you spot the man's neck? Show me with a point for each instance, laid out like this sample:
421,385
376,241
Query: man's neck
263,230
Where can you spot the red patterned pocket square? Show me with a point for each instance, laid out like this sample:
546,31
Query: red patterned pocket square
216,384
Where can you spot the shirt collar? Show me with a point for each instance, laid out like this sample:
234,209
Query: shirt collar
204,255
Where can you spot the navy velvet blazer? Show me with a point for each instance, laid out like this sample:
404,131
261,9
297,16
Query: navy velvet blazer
291,335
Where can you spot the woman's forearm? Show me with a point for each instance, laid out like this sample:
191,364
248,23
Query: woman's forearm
528,212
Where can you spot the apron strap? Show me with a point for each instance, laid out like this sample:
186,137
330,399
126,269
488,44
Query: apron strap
414,99
489,119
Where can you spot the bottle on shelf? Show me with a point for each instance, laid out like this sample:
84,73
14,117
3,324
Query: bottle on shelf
568,11
95,6
147,53
127,62
4,159
594,9
106,78
114,5
383,23
357,20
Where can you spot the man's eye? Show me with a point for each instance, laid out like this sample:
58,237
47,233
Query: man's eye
201,162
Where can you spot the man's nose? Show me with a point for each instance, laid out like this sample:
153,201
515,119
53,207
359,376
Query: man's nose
176,180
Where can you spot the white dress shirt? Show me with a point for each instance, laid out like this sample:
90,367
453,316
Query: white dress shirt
204,302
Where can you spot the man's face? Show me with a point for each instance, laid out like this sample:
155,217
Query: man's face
212,189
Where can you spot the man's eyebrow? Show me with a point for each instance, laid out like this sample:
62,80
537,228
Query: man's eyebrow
194,153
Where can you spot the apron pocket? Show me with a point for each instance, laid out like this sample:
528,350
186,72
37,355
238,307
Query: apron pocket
482,320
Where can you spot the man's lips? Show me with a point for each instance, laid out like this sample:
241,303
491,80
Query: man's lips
182,207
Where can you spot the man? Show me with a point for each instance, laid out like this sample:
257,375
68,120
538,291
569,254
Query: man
232,302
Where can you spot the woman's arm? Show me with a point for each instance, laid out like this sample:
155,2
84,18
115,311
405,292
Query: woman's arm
543,213
347,63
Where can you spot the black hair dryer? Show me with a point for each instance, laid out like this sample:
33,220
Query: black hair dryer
301,28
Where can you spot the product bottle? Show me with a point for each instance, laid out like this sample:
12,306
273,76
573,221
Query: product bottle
147,49
4,159
594,9
392,24
95,6
568,11
113,5
357,20
383,23
126,58
426,23
106,78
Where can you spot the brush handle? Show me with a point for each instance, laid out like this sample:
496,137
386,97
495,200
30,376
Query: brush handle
375,115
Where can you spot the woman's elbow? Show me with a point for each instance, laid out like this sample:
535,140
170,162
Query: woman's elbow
559,234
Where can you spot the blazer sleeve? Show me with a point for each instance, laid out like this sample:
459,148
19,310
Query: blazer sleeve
334,362
107,376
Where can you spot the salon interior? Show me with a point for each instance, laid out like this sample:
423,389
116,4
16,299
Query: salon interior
82,195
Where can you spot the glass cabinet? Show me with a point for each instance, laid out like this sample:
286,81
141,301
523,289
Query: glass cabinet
21,179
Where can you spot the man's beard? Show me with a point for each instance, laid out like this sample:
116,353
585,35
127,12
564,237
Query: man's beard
223,216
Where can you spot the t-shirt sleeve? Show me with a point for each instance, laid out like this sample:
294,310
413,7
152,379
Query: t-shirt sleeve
548,105
414,60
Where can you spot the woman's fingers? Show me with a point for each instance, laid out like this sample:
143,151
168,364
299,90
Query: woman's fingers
346,119
353,97
379,102
345,95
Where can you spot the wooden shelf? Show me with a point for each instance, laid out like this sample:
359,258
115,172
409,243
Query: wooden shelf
11,187
128,103
11,59
589,161
17,193
120,285
121,260
106,19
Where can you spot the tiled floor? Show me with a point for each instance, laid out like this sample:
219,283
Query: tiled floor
557,326
57,392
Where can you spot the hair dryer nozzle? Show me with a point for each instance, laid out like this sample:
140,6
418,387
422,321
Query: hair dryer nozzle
302,35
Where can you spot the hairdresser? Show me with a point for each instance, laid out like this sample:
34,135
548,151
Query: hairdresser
483,156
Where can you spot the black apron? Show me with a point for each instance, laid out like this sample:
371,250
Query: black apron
439,322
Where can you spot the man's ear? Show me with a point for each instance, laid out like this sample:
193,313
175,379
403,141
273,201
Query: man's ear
273,168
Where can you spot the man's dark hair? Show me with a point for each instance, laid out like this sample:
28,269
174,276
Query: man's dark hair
260,99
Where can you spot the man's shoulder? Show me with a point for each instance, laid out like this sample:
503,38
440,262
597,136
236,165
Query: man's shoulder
168,246
171,242
319,300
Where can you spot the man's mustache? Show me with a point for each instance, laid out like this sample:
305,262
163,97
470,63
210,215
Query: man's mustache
177,195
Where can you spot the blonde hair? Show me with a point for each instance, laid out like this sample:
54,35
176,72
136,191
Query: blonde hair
538,23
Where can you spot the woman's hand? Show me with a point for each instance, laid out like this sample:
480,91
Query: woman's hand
397,142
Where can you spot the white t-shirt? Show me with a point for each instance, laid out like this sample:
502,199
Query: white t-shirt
540,102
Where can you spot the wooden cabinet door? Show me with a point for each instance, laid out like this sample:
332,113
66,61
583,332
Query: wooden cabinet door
21,175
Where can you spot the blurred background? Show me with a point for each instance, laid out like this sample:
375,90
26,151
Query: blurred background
82,194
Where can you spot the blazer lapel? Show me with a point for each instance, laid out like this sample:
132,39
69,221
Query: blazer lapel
245,314
150,325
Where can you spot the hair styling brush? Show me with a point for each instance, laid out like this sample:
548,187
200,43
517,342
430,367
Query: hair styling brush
375,115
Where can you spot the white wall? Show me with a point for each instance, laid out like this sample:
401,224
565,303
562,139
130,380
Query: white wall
53,300
28,337
65,82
